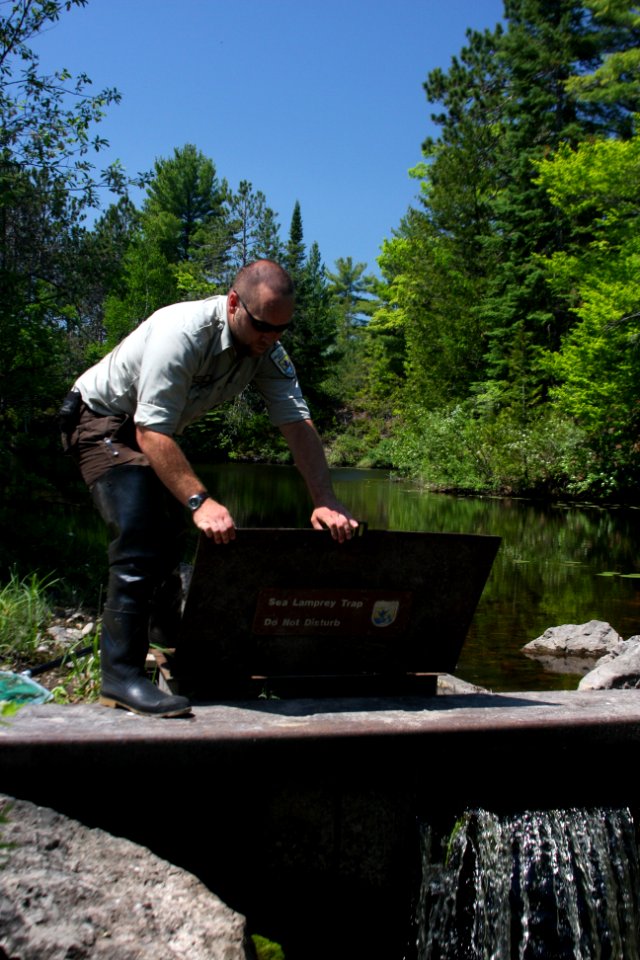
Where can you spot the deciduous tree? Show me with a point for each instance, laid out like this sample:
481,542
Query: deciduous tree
597,369
46,182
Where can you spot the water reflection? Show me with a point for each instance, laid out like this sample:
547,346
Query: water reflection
547,571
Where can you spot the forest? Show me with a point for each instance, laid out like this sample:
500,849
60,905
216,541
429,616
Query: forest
497,348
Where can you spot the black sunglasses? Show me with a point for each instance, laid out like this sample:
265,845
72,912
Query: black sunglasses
261,325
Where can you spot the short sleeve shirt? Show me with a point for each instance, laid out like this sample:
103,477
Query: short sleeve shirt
180,363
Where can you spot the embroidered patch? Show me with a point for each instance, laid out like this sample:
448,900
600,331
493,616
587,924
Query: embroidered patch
283,361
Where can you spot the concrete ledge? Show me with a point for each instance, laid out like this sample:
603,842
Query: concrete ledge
292,719
304,812
527,749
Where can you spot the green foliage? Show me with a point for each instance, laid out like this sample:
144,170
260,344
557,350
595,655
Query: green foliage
239,430
192,237
178,247
295,251
83,678
354,293
24,609
458,833
508,314
105,245
353,296
597,368
614,86
189,242
46,185
459,448
426,338
267,949
9,709
313,337
183,198
544,44
365,441
253,228
149,282
384,339
46,120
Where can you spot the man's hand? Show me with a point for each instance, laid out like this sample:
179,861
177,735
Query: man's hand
310,460
215,521
178,476
337,519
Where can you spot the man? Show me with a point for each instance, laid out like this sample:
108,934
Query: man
119,422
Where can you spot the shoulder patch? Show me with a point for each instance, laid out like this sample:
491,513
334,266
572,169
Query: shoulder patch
282,361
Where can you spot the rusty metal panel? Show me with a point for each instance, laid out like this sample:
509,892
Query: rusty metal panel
294,603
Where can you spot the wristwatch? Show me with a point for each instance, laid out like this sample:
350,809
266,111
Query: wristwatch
196,501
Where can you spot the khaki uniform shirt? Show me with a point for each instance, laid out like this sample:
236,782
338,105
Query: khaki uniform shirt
180,363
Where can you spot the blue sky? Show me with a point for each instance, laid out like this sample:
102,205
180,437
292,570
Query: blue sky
316,102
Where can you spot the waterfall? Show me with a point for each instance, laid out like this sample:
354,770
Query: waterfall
559,885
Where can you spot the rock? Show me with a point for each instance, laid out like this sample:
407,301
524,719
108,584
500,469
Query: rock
448,684
65,635
572,666
589,640
619,670
69,891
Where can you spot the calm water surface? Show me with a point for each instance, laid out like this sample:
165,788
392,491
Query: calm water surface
548,570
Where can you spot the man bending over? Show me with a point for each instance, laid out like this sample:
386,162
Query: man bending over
119,423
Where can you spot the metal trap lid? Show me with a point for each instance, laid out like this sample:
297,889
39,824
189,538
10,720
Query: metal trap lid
289,603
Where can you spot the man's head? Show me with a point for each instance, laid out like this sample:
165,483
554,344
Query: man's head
259,306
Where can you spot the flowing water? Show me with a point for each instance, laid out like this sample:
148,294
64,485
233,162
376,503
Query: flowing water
558,885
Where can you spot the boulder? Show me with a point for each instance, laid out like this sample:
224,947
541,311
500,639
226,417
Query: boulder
583,640
618,670
70,891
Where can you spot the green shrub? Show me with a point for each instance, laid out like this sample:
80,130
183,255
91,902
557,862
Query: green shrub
459,449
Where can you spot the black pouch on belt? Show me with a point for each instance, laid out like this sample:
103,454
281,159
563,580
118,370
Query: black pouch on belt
68,416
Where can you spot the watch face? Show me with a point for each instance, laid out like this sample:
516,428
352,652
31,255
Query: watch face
196,501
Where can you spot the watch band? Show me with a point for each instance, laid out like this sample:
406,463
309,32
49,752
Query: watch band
196,501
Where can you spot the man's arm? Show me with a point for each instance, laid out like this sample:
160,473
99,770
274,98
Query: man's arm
178,476
309,458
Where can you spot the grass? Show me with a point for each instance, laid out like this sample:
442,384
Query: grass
24,610
81,680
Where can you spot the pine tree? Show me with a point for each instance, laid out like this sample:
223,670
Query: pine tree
294,258
314,326
253,228
612,90
547,41
182,246
184,197
353,291
436,267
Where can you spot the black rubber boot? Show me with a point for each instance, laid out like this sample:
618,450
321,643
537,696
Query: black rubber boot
147,525
123,651
166,613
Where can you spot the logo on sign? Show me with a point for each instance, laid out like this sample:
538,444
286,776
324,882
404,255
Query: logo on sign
384,612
